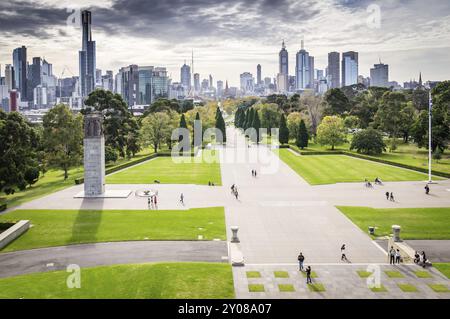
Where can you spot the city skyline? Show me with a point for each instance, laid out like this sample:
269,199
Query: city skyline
43,29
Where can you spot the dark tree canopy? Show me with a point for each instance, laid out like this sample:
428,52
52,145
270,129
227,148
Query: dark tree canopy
284,131
302,137
368,141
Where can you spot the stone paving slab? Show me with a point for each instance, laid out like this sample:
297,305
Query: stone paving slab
339,281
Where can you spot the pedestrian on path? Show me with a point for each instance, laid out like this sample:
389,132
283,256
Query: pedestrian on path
148,203
301,259
236,194
232,188
156,202
392,197
427,189
182,198
308,275
397,257
392,255
387,195
343,256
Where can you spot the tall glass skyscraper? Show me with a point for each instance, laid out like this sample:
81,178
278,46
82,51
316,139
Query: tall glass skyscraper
20,71
349,68
304,70
145,85
334,70
87,56
185,77
284,60
160,83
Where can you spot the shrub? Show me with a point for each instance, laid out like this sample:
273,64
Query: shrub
368,142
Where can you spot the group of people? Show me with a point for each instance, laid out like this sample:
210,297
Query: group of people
234,191
421,259
210,183
394,256
390,196
254,172
377,181
152,201
301,260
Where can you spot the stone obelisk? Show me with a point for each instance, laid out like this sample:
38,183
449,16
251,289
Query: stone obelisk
94,155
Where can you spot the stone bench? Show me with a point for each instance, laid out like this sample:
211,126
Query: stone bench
13,232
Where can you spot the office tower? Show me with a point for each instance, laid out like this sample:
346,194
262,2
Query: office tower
145,85
205,85
247,82
379,75
283,60
35,77
258,75
219,88
210,81
267,81
130,84
334,77
303,69
196,82
9,77
20,71
108,81
160,83
13,96
87,56
349,68
282,83
185,77
312,75
67,87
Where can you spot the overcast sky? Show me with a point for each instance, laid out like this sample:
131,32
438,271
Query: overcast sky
233,36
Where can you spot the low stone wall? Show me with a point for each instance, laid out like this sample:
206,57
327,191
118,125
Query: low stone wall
13,232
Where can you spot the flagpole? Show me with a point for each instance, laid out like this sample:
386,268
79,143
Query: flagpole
430,103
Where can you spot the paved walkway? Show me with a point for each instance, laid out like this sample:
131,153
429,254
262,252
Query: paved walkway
101,254
338,282
437,251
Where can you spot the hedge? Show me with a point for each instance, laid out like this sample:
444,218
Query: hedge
3,207
129,164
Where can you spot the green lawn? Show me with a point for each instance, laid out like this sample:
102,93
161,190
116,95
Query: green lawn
165,170
416,223
65,227
443,268
330,169
53,181
136,281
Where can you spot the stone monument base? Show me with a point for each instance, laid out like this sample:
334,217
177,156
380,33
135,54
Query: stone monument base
114,193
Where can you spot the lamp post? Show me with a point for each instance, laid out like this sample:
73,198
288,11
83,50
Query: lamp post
430,106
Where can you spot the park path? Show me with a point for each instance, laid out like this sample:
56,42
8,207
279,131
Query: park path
111,253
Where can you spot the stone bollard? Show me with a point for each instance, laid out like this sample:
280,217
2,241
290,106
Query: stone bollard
396,231
234,238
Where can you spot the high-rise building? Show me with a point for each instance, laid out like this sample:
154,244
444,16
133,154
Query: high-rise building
145,85
304,71
130,84
108,81
379,75
283,60
185,77
9,77
219,88
36,76
205,85
349,68
258,75
87,56
160,83
334,70
13,100
210,82
20,71
196,82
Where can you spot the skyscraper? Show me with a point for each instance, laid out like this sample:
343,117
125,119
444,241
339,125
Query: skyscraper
9,77
334,77
283,60
349,68
304,71
210,82
219,89
160,83
185,77
247,82
87,56
145,85
20,71
196,82
379,75
130,84
258,75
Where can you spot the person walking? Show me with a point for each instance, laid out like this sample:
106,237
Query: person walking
392,197
300,259
343,256
255,172
155,200
397,257
427,189
387,195
236,194
232,189
148,203
392,255
182,198
308,275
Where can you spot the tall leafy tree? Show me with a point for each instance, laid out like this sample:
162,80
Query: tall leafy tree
337,102
220,124
256,125
63,137
270,116
283,136
331,131
155,130
302,137
368,141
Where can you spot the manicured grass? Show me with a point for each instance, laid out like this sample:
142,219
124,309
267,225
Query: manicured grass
53,181
444,268
439,287
313,274
330,169
379,289
256,288
286,288
416,223
281,274
136,281
423,274
253,274
169,171
316,287
407,287
364,274
394,274
65,227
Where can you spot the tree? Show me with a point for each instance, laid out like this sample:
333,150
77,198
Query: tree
331,131
155,130
256,125
31,175
293,121
183,125
369,141
351,122
63,137
118,121
302,137
283,136
220,125
110,154
336,102
312,106
270,116
17,151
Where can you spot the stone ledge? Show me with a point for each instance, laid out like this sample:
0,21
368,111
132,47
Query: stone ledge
114,193
13,232
236,255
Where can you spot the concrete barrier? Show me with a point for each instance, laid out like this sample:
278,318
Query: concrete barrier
13,232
